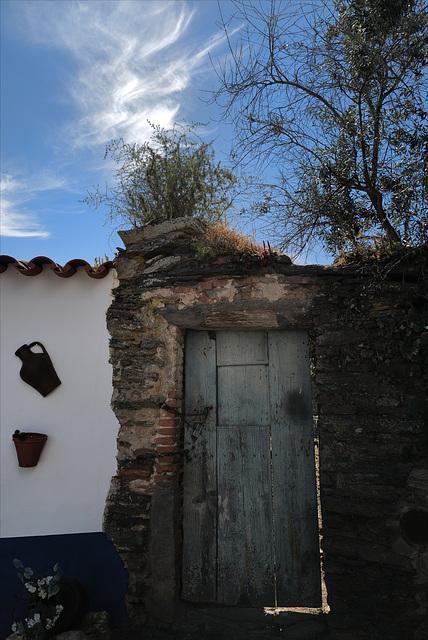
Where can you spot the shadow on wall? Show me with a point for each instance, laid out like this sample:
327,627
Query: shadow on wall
91,558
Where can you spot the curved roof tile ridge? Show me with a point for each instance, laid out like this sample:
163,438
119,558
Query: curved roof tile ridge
35,266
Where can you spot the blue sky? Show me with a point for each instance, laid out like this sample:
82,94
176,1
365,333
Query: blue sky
76,74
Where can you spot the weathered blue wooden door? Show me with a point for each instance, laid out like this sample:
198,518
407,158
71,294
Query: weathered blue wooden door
250,528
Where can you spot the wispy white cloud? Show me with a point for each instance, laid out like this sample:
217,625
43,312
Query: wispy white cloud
15,224
133,62
15,220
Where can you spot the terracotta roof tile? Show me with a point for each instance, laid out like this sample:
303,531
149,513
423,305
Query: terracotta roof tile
35,266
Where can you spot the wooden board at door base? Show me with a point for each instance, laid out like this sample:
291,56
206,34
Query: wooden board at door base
250,528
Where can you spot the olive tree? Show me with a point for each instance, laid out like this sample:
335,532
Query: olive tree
332,94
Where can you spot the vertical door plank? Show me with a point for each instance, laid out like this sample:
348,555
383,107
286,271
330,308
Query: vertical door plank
231,537
245,540
200,484
293,470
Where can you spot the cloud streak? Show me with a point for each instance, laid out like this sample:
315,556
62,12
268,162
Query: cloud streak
18,224
15,220
134,61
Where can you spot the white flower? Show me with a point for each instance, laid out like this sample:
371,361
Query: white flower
40,582
42,593
30,623
51,623
14,627
48,579
30,587
36,618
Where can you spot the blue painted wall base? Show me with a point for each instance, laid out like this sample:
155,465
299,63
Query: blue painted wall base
91,558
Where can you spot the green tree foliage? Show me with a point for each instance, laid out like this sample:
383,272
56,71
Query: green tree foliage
333,94
173,175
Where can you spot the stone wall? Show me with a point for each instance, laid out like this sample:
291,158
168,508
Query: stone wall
373,420
368,346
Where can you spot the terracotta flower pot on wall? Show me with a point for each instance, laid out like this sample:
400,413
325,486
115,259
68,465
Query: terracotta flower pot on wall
29,447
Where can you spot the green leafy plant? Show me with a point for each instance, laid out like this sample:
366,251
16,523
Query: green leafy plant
40,594
172,176
98,261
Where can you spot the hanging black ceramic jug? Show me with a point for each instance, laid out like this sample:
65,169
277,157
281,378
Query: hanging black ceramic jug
37,369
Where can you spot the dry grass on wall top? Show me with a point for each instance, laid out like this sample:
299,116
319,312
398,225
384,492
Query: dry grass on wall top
222,239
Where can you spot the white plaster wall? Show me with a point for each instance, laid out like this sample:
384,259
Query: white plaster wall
66,491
